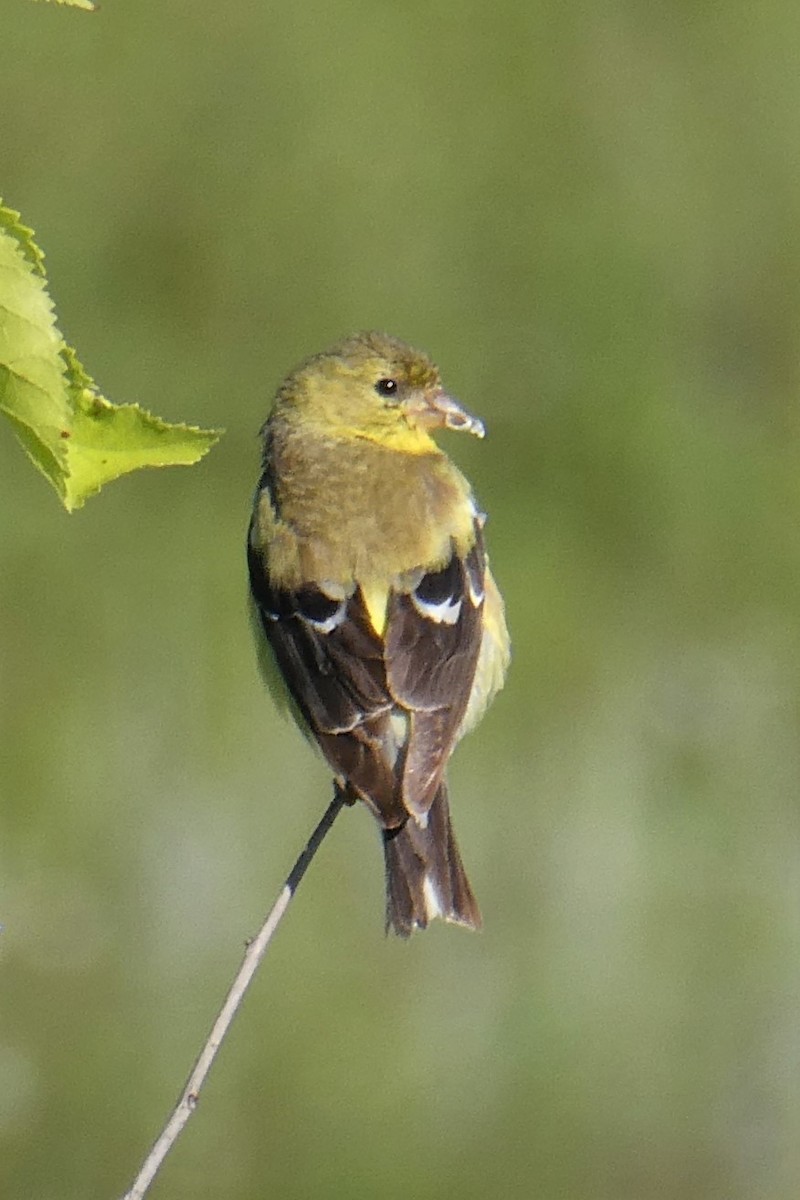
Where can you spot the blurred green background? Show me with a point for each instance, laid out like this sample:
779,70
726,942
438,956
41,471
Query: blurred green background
589,215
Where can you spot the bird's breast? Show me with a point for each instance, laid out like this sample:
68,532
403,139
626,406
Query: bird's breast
365,514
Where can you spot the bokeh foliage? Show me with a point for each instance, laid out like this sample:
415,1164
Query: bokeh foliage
589,215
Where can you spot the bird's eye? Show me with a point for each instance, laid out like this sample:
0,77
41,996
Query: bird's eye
386,387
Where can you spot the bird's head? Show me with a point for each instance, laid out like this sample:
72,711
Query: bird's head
372,386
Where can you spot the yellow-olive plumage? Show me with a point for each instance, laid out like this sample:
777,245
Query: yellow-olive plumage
370,583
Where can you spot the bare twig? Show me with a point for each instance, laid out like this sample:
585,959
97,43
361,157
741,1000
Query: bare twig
253,955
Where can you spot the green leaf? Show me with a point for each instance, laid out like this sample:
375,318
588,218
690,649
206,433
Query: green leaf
108,440
73,434
10,221
33,391
85,4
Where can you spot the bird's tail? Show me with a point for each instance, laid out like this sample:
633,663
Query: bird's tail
425,877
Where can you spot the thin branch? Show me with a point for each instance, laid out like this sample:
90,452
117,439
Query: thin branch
253,955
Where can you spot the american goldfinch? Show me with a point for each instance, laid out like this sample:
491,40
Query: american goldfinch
369,581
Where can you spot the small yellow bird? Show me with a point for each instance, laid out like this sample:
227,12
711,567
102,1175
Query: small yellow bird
369,581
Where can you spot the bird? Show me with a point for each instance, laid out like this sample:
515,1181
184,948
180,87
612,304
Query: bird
371,593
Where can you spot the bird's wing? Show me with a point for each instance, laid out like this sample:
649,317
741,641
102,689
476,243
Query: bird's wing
385,707
493,659
433,639
332,664
327,652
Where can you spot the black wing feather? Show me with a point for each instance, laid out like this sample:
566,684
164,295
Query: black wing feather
431,666
337,679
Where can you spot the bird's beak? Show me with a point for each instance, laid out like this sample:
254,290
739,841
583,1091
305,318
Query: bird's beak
437,410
